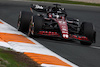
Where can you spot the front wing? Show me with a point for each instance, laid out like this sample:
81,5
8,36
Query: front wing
70,36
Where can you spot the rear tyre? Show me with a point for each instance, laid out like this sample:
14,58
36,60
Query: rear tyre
24,21
87,30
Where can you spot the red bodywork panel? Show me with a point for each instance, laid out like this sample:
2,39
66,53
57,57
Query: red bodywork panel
63,27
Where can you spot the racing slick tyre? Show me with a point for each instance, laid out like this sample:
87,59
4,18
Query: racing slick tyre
87,30
35,25
24,21
38,23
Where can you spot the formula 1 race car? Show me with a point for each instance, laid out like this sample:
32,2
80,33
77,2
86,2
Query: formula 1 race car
55,24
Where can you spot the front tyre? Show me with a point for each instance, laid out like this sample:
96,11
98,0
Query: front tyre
35,25
87,30
30,32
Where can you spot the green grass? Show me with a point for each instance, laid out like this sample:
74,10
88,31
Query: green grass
70,2
8,60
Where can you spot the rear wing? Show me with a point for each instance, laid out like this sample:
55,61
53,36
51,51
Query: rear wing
39,8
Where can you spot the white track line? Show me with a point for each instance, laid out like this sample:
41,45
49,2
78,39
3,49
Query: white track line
95,47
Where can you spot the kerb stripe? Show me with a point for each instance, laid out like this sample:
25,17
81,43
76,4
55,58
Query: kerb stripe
46,59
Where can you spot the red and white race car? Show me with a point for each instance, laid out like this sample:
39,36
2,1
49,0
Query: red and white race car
56,24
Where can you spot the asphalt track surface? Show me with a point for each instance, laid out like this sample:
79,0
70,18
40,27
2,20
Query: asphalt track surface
81,55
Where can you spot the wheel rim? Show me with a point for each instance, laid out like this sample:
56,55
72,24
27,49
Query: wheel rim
29,32
31,27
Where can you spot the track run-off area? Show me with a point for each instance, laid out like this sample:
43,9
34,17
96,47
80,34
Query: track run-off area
45,51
